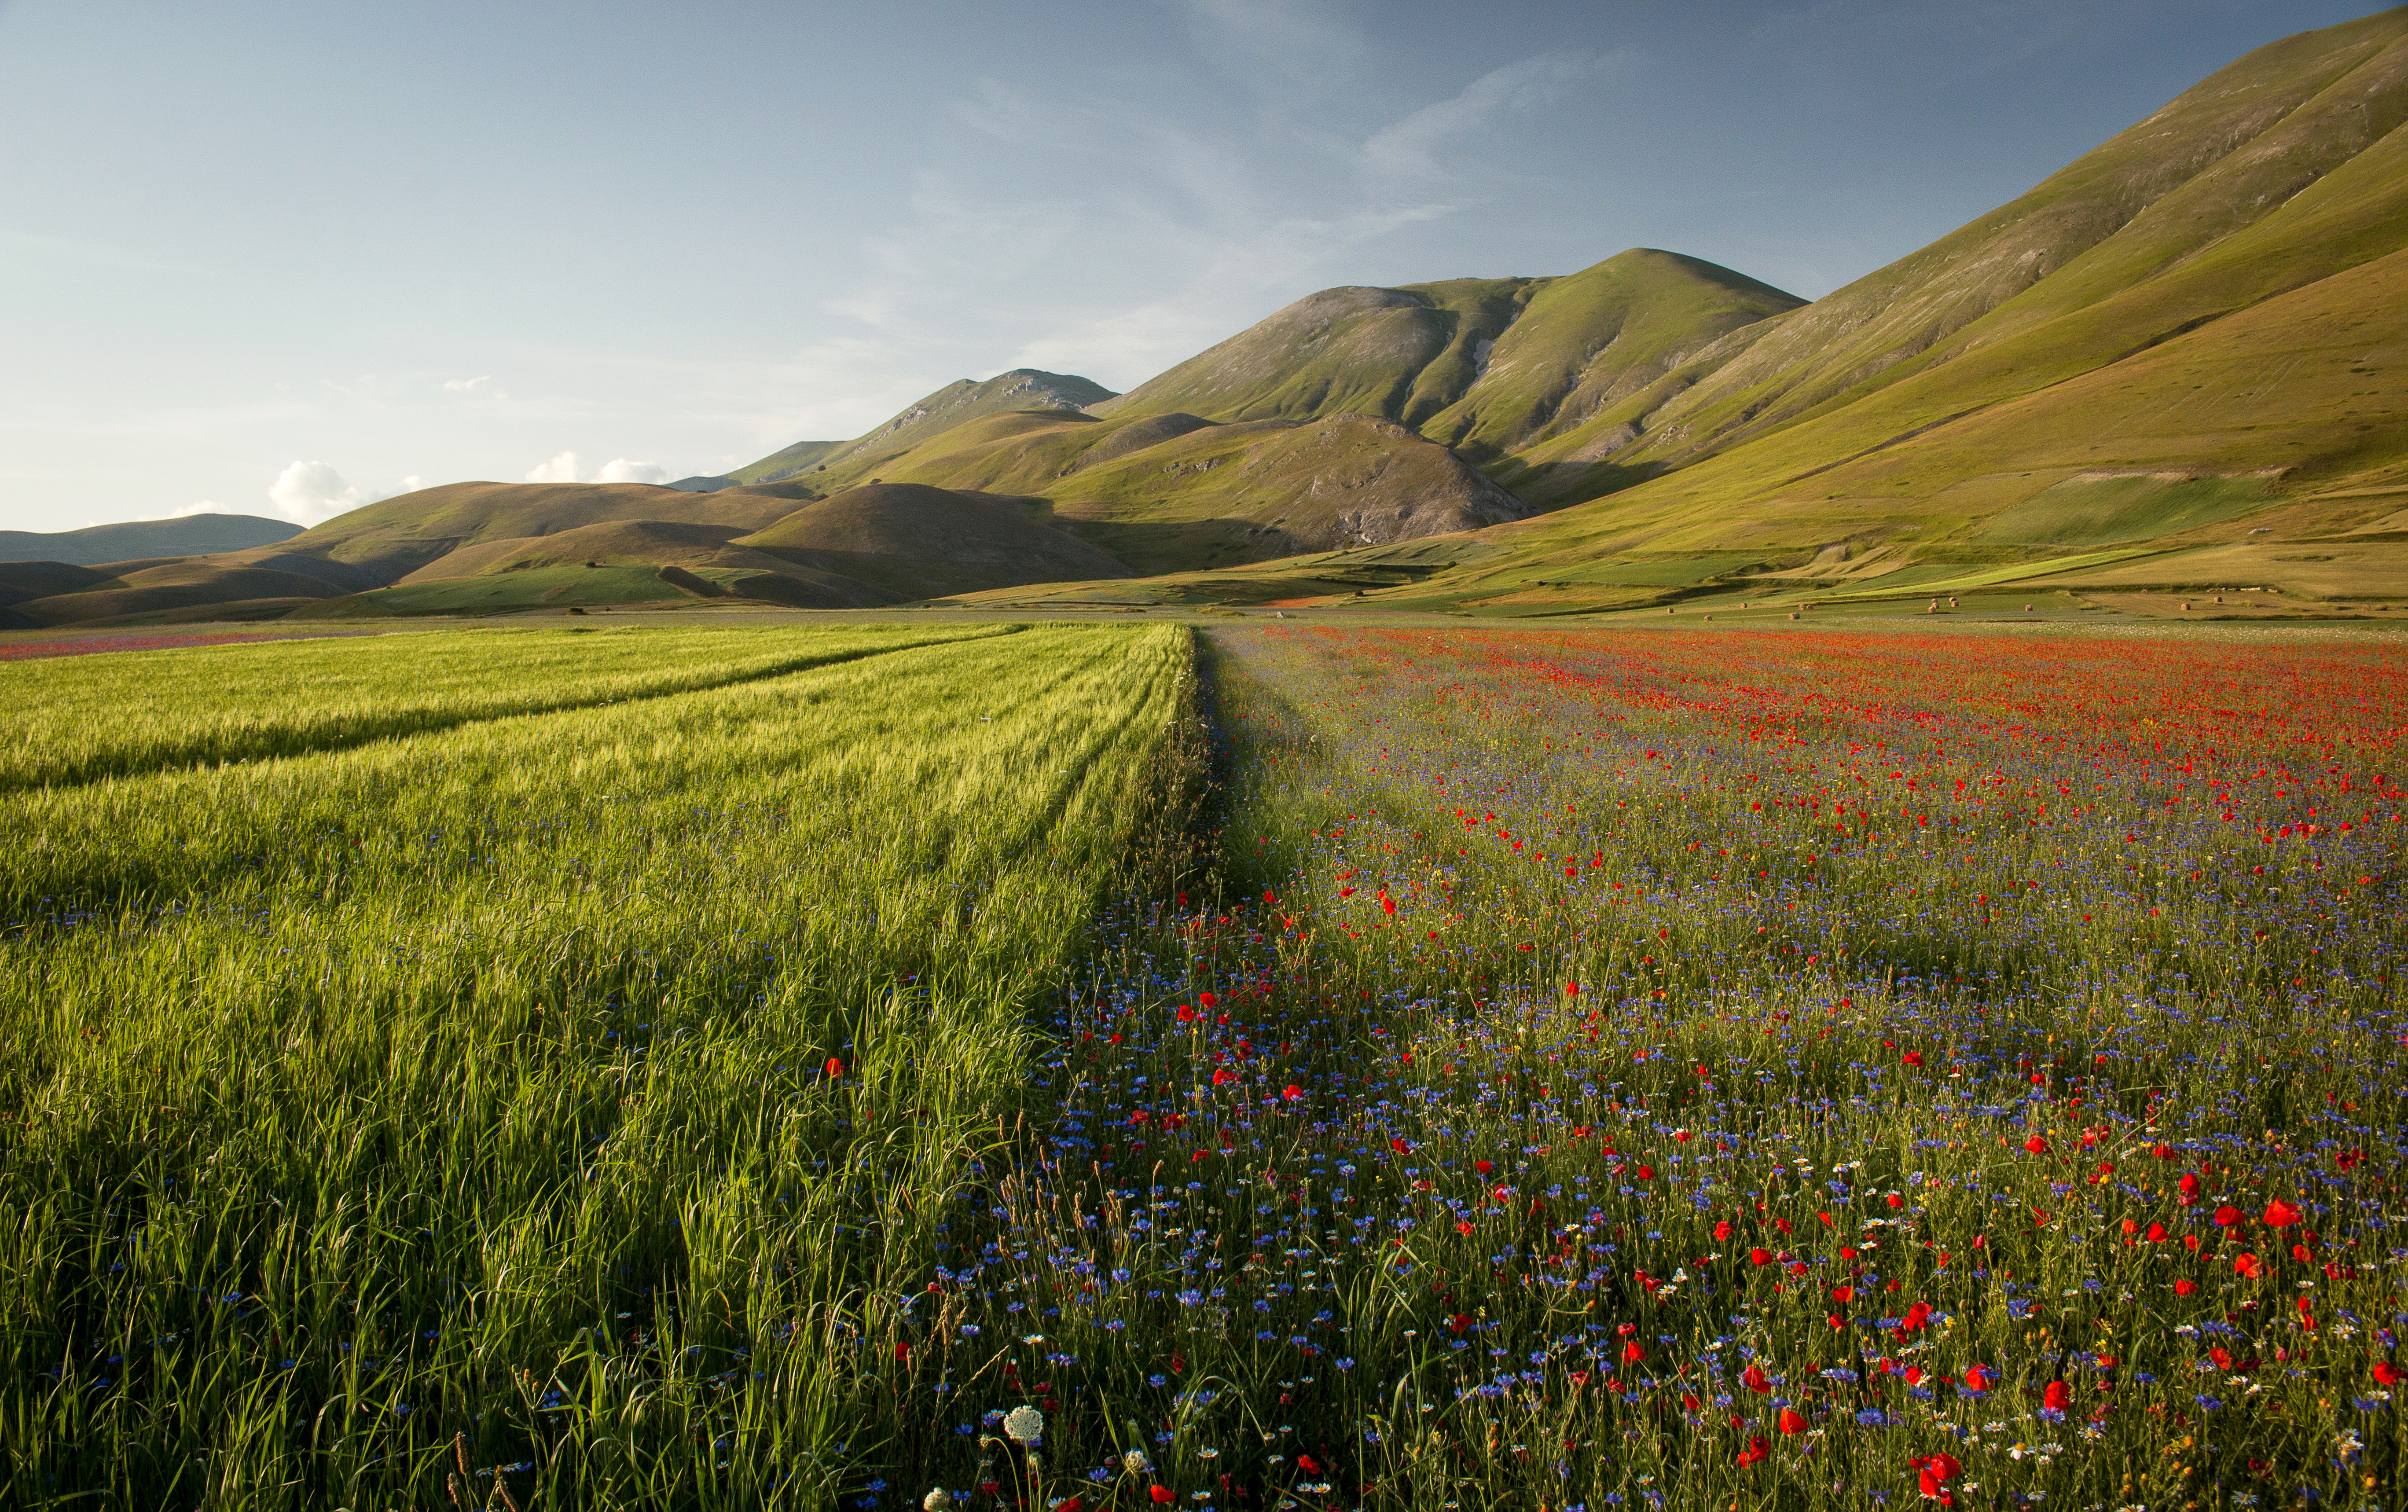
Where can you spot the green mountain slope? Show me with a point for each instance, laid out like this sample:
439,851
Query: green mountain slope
2213,161
1586,341
956,404
1398,353
2219,293
1489,364
912,541
1171,492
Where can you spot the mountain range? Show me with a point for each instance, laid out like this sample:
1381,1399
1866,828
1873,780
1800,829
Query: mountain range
2173,365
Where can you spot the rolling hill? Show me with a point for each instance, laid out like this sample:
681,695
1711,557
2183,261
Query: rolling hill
184,536
911,541
1169,492
956,404
1489,365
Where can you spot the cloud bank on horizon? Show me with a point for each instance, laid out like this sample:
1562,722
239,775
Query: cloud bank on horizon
236,257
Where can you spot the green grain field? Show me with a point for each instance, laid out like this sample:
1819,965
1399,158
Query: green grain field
387,1061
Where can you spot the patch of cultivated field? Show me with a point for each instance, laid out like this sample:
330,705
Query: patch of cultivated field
578,1081
65,720
1542,1069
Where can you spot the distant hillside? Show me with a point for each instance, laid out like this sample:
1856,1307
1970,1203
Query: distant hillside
500,547
185,536
913,542
396,537
2133,212
2193,337
1484,367
1492,365
956,404
1169,492
357,555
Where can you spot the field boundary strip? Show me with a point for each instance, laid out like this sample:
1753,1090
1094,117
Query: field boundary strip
411,723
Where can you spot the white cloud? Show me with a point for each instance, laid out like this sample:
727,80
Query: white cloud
481,386
623,470
564,469
207,507
310,491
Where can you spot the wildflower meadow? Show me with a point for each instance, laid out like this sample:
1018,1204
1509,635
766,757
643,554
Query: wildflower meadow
1081,1067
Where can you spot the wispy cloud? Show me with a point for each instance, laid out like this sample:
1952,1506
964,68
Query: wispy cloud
1414,146
1229,215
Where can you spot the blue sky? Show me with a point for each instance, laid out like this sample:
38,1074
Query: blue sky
284,257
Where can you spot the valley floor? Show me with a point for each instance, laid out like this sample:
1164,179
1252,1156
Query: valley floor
1345,1059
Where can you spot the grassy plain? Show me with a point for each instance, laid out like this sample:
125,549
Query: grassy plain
1578,1069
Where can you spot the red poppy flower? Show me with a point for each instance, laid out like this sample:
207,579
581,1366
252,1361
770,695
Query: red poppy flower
1757,1449
1912,1057
835,1068
2229,1217
1753,1379
2057,1397
2248,1265
2280,1215
2185,1288
2036,1145
1161,1494
1977,1378
2388,1373
1938,1471
1790,1422
1760,1256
